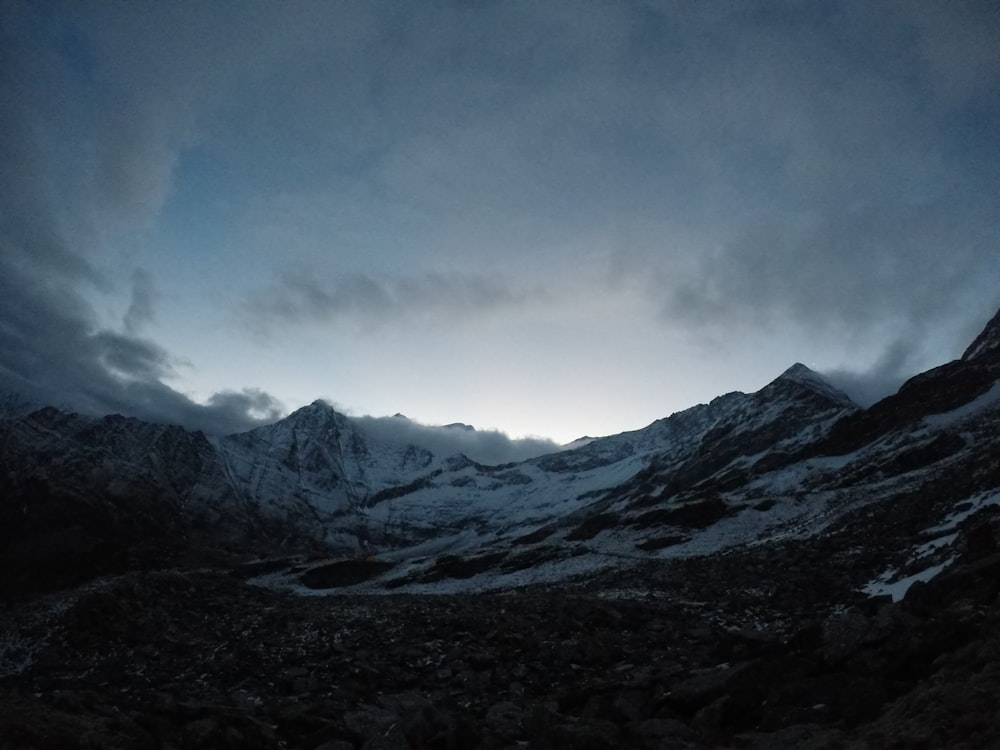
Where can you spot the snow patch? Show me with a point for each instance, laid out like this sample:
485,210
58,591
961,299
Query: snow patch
933,545
976,504
884,585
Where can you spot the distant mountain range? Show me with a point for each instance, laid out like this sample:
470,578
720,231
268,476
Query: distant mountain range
82,496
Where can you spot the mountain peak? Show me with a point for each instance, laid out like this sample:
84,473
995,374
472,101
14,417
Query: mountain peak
319,406
799,371
317,410
802,375
988,341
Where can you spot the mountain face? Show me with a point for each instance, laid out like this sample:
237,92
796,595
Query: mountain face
322,477
774,569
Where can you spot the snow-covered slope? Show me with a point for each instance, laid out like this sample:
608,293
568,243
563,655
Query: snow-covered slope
484,504
746,469
318,468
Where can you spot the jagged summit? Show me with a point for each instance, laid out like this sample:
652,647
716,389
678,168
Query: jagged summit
987,342
804,376
799,371
319,414
316,408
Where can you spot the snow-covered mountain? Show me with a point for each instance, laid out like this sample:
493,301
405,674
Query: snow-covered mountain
793,459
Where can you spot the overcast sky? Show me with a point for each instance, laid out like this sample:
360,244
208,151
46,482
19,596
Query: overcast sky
548,218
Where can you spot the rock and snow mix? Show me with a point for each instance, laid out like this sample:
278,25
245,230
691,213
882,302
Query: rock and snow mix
776,569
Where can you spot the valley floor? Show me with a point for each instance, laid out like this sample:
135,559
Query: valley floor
697,654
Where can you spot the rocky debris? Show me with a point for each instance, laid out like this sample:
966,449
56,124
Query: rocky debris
692,515
198,659
456,566
661,542
593,526
344,573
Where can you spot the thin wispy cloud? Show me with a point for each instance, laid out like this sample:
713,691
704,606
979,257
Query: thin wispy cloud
371,301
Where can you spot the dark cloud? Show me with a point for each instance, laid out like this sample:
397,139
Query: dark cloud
903,265
484,446
898,362
60,203
902,359
128,357
230,411
53,352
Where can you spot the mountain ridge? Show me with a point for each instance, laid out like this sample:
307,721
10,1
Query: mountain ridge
987,342
354,488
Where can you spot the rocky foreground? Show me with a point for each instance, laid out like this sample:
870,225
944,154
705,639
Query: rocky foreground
710,654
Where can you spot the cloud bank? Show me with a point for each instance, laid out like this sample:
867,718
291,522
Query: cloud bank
60,204
489,447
